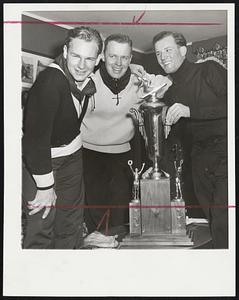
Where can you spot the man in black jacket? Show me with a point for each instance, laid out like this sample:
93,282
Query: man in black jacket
197,113
53,188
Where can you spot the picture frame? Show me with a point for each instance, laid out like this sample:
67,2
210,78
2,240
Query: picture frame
32,65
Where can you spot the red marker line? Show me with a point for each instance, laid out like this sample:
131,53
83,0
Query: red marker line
140,17
136,206
115,23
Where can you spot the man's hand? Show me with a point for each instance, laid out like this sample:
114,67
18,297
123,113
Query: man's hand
175,112
160,80
138,70
43,199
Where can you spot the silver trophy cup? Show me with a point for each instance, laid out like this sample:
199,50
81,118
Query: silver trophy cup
152,111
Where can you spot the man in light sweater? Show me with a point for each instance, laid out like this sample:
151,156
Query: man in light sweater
53,187
107,134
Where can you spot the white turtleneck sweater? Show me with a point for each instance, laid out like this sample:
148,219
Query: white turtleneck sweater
108,127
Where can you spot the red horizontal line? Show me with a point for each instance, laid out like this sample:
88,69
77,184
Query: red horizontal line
135,206
114,23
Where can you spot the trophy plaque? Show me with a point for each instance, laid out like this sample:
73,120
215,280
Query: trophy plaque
155,220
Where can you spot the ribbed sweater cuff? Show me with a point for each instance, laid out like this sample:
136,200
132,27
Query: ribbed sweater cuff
44,180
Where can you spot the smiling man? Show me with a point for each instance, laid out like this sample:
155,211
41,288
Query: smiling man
197,115
53,188
107,132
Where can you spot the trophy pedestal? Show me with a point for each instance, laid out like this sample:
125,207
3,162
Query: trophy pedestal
155,202
159,241
163,222
178,216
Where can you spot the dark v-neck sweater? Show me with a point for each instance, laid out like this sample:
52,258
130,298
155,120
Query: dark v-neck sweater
50,120
202,87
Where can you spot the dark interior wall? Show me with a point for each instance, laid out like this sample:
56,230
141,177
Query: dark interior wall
151,64
42,38
138,58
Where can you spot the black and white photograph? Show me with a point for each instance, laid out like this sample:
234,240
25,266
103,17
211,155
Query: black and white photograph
124,123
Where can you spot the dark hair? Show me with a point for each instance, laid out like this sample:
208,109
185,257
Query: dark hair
119,38
178,37
85,33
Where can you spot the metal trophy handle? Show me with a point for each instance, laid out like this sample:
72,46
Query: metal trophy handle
137,117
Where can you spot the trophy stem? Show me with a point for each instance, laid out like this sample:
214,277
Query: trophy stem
156,173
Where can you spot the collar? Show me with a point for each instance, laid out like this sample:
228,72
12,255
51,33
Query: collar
115,85
183,72
88,87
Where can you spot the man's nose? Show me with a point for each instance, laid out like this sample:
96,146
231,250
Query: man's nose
164,55
81,63
119,61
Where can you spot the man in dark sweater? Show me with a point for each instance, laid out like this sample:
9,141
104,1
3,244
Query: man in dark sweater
197,115
53,188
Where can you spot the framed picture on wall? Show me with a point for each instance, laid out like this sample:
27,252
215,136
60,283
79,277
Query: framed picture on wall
42,63
32,65
28,70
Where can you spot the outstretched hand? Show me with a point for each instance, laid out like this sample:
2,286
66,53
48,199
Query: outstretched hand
43,200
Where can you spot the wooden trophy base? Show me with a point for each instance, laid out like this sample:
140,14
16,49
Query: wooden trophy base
162,220
159,241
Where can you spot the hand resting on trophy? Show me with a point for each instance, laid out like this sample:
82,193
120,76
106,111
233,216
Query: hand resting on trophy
174,113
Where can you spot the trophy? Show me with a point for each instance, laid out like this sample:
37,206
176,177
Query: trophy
178,204
161,222
135,224
155,183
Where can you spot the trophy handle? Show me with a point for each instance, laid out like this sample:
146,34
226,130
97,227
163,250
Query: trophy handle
139,122
164,113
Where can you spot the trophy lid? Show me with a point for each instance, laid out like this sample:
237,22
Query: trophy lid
154,92
150,98
151,101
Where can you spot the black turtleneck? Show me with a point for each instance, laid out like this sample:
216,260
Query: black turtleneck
203,88
115,85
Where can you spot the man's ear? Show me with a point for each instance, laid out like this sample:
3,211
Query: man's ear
130,58
65,51
183,50
100,56
103,56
